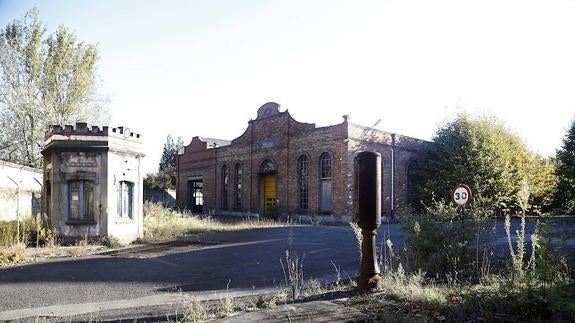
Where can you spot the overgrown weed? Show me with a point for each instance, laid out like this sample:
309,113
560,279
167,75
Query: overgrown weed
162,223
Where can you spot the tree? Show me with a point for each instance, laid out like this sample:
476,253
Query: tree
565,197
494,162
543,181
168,160
166,176
43,81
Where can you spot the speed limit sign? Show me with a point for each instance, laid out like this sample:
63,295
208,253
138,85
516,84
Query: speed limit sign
461,195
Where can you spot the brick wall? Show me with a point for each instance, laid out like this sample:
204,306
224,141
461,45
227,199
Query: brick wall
276,136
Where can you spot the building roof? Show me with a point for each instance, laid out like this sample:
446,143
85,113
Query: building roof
214,142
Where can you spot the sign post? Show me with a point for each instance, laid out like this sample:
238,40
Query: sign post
461,195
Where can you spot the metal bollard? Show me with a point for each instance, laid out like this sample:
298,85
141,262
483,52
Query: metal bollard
367,201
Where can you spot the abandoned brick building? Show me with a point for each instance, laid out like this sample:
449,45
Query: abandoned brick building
281,167
93,182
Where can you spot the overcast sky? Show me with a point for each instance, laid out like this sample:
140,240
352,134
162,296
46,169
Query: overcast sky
191,68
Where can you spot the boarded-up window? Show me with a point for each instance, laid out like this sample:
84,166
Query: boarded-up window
81,200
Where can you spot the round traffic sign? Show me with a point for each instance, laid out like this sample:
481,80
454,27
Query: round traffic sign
461,195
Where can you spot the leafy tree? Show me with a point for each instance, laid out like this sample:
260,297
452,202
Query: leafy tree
565,197
494,162
43,81
160,180
542,184
166,175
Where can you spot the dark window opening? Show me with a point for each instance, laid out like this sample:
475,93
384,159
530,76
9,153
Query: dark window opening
196,191
81,200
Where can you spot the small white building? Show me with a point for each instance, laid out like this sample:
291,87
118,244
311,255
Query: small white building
93,182
20,191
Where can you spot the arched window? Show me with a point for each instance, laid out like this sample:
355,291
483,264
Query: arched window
325,166
225,187
267,167
411,192
238,186
325,173
303,182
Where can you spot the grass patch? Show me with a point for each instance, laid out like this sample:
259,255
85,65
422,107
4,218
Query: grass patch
13,254
498,300
32,232
161,223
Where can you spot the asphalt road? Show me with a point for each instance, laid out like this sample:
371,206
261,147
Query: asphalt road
243,260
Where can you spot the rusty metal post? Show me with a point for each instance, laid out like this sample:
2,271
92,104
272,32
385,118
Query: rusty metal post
368,215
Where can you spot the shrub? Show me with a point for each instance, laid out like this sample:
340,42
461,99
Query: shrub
112,242
440,240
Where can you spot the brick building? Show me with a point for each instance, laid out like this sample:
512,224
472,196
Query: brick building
282,167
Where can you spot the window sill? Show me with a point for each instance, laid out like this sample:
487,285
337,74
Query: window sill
80,222
124,221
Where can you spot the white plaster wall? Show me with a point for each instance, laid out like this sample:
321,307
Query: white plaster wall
12,203
125,167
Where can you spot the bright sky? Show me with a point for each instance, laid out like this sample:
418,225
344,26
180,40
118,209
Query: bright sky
203,68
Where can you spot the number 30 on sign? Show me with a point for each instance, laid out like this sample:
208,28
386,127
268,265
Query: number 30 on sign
461,195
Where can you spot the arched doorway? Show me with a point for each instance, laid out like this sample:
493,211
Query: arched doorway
268,189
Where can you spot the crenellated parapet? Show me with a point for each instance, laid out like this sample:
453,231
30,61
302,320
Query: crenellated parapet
83,135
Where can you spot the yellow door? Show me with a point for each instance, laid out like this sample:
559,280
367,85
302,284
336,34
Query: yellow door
270,195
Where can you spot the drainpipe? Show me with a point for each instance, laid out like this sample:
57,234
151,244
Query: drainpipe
392,174
287,168
140,199
17,208
215,178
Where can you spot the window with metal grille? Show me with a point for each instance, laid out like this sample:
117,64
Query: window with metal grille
325,166
325,189
224,187
303,182
238,188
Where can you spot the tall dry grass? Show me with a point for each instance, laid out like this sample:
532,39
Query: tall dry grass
162,223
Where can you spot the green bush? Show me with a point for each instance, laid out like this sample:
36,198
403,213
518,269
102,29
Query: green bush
439,241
